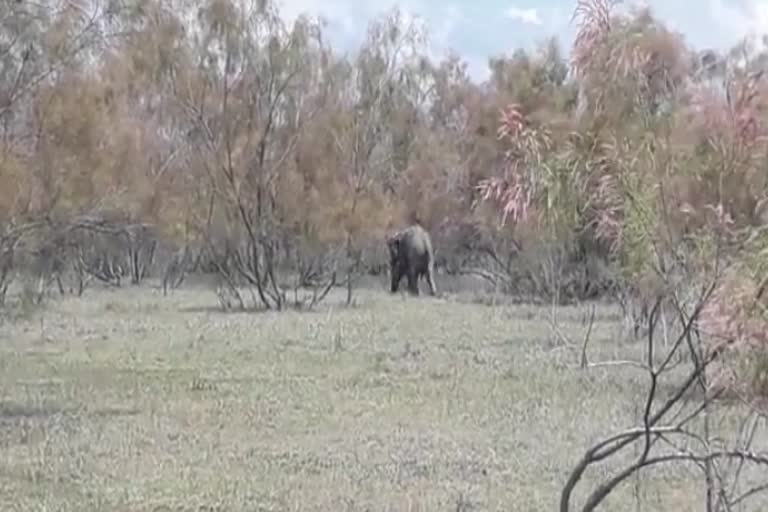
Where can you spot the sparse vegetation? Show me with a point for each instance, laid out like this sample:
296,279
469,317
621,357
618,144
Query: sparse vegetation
161,157
128,400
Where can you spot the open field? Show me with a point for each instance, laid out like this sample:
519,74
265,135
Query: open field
129,401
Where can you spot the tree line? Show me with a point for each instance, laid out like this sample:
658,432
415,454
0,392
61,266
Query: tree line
160,137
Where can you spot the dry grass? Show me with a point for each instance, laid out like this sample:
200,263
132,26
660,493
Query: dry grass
128,401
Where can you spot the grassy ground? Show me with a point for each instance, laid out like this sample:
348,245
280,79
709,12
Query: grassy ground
129,401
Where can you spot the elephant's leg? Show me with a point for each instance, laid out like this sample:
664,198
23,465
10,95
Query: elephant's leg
430,275
413,282
396,277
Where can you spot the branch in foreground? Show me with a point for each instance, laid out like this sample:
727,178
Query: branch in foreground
605,489
649,429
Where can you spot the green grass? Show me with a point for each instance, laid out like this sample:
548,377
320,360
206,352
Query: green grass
129,401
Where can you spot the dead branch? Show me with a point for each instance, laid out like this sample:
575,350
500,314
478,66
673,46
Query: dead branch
584,361
650,432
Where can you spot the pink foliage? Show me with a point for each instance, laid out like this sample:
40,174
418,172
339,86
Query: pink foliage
734,321
514,192
733,119
511,193
609,46
608,207
594,24
512,122
735,315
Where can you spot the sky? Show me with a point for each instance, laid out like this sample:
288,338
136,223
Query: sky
477,29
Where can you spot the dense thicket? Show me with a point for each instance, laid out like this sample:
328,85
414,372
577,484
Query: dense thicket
162,136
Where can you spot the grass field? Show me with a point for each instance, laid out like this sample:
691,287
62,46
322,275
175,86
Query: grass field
126,400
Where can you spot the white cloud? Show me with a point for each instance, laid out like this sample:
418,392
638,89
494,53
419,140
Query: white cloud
337,12
451,17
529,16
746,19
477,67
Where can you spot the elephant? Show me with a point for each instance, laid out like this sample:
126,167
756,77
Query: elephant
411,255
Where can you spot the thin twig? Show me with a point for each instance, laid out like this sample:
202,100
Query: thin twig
584,361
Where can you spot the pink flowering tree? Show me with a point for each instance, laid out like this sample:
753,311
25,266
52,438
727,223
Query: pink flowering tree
545,188
663,167
675,184
599,178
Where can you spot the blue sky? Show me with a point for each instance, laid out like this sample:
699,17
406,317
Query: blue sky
477,29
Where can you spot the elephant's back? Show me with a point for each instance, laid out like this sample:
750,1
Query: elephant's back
418,239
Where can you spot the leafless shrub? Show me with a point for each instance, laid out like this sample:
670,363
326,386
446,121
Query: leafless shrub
176,268
675,428
680,249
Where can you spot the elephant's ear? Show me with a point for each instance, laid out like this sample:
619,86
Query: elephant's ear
393,242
